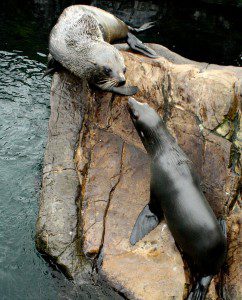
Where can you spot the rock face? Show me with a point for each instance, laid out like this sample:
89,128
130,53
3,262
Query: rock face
200,104
57,234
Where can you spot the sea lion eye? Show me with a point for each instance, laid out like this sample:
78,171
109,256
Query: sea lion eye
107,70
124,70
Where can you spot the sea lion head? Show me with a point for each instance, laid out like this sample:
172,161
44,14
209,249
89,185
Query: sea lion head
108,70
146,121
143,116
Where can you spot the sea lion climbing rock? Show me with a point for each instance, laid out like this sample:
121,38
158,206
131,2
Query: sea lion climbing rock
175,194
80,41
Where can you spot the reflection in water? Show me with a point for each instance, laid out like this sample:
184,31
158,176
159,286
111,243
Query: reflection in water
24,114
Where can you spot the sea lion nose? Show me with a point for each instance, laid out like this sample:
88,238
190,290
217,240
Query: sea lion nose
121,82
131,101
121,79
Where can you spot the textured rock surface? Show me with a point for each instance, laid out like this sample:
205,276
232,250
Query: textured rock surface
201,106
232,278
57,224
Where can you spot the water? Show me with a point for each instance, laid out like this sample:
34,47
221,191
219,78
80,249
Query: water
24,113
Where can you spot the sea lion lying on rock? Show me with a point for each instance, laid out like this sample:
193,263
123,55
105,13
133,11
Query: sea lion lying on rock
80,42
175,194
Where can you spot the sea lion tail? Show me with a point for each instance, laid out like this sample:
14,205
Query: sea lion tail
142,28
200,289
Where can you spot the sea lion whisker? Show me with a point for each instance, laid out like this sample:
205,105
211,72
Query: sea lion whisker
107,84
102,81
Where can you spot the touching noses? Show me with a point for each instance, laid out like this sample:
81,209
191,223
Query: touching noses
121,80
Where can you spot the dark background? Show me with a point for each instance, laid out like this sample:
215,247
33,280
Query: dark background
202,30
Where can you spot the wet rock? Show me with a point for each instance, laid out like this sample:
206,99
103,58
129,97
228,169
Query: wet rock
196,102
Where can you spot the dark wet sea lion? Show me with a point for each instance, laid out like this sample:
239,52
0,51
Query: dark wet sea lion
80,42
175,194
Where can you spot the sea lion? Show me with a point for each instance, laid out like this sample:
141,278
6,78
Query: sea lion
175,194
80,42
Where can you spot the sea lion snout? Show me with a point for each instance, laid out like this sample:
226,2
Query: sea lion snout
120,78
133,108
132,103
122,82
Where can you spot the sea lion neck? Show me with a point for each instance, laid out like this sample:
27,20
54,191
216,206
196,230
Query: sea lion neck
156,139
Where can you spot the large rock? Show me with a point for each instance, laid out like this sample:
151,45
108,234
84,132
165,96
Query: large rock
200,104
57,225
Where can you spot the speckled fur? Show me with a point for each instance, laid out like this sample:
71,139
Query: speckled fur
77,43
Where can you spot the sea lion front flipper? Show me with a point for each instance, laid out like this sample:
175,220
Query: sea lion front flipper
124,90
146,222
52,66
136,45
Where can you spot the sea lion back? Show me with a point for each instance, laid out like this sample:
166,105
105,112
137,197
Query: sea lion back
73,36
112,27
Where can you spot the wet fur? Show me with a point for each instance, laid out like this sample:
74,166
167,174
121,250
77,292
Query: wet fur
76,42
175,193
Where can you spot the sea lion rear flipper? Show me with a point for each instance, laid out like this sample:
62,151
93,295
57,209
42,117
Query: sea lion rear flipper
142,28
136,45
200,289
146,222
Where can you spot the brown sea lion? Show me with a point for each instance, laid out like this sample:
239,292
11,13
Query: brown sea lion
80,42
